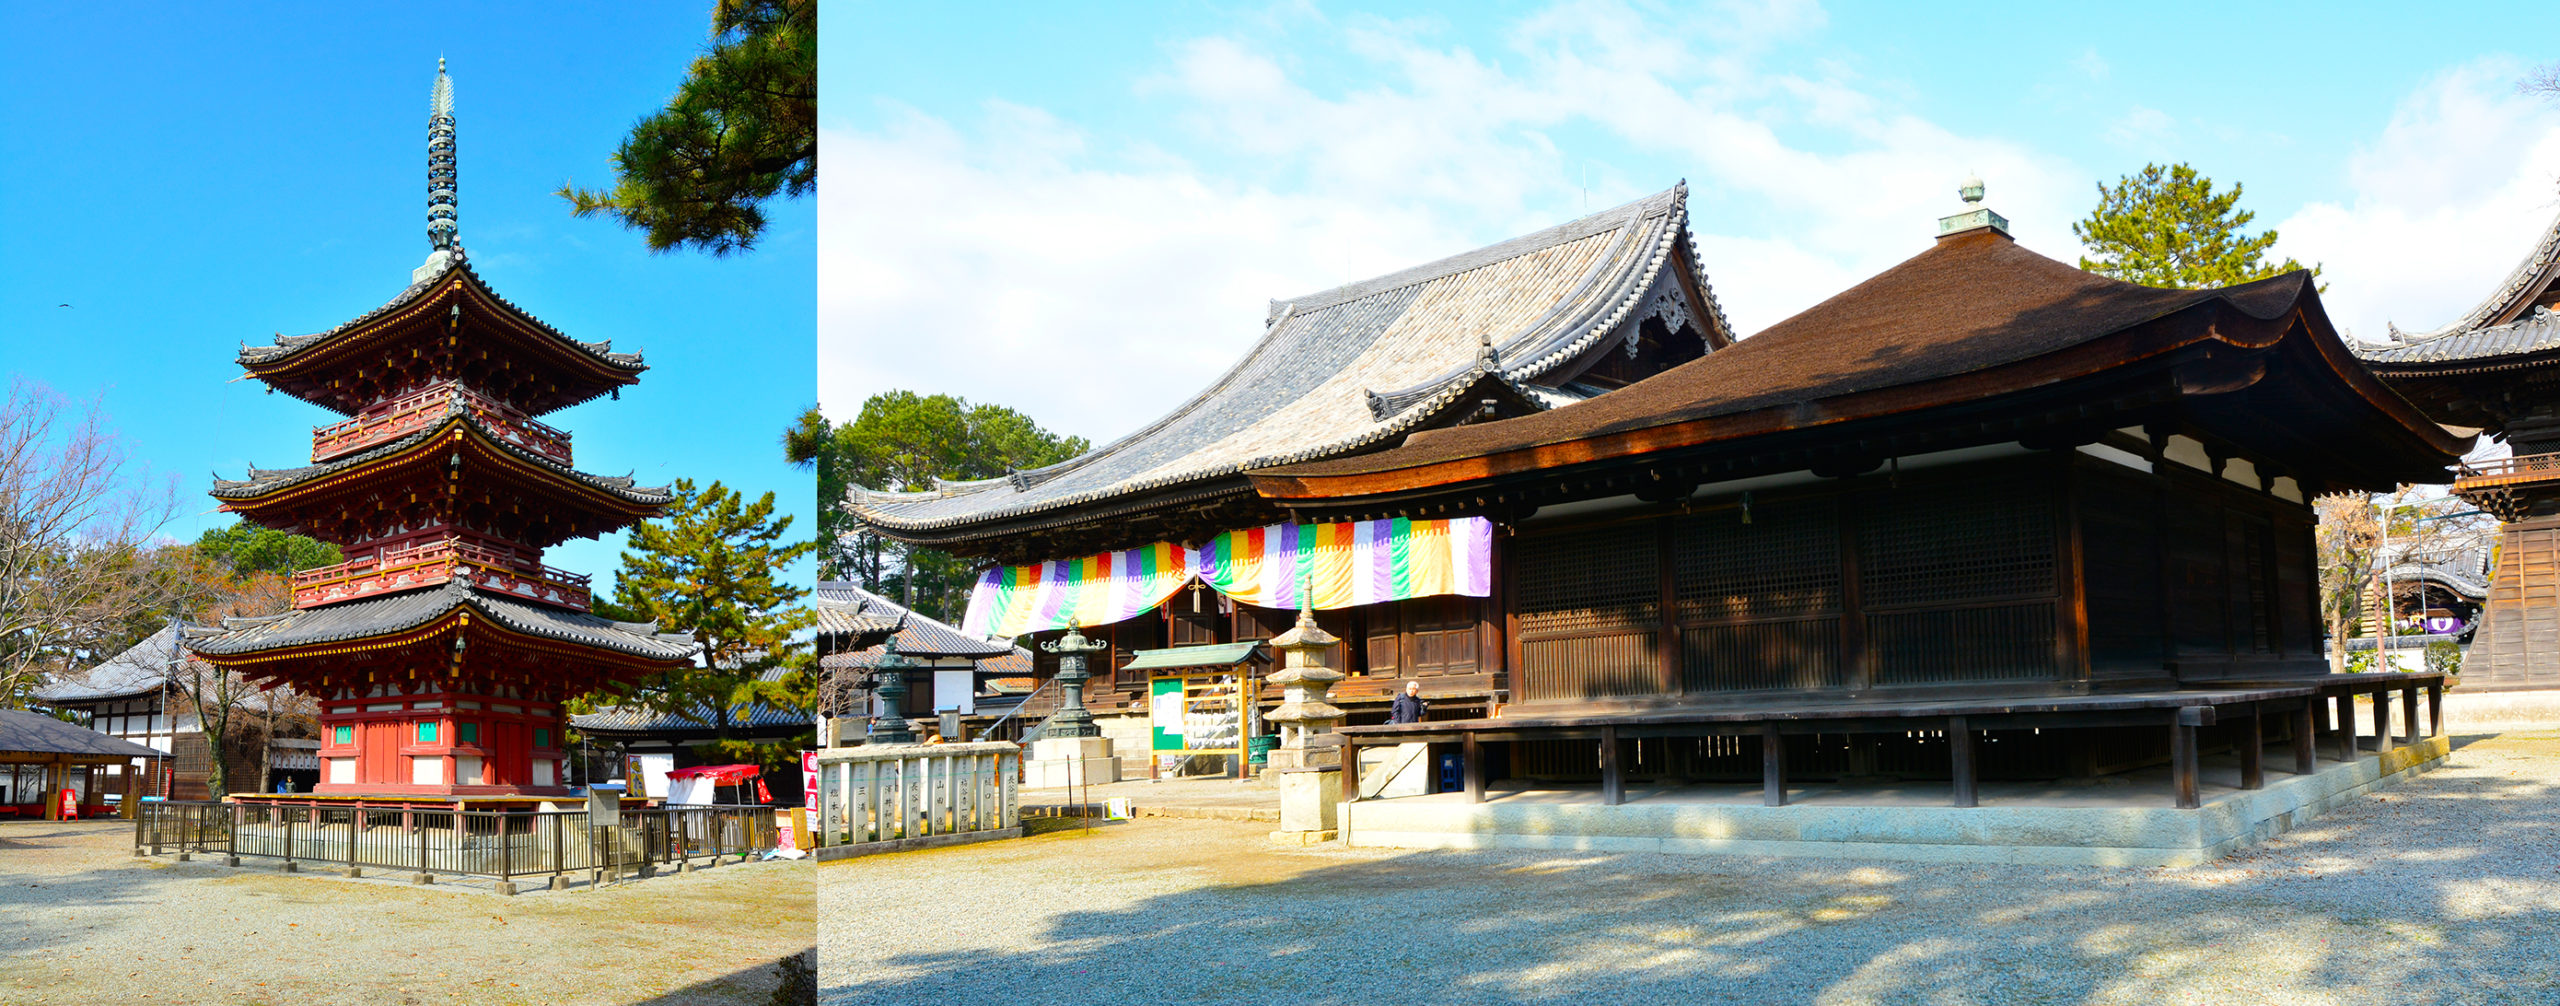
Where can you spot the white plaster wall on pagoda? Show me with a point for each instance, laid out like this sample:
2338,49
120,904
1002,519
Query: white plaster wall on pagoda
426,770
466,771
342,771
543,773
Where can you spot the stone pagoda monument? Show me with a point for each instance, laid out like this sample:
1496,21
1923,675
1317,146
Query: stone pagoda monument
1308,760
440,651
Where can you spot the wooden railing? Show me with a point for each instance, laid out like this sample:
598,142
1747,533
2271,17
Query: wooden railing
2499,471
433,562
886,796
422,409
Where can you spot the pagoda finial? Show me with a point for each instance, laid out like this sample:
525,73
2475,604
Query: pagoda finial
440,170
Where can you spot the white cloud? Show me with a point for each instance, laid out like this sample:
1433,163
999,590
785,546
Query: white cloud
1095,282
2447,200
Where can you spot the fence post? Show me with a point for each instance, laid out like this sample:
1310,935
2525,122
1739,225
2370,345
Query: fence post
507,846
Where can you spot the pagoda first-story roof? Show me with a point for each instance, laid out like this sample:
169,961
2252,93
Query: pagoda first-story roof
1973,342
456,472
447,325
1359,367
454,631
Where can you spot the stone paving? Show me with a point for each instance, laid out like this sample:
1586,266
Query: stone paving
2445,890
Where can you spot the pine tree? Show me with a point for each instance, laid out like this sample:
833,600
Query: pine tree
742,128
713,566
2168,227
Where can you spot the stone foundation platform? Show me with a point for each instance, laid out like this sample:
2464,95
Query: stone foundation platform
2128,824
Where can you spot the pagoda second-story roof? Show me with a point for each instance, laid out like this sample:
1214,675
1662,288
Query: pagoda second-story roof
452,324
1975,319
1360,365
416,609
601,502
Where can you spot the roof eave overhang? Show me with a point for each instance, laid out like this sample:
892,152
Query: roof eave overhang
298,370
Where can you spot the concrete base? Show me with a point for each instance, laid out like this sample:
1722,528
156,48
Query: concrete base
290,867
353,872
2469,711
1304,837
2021,832
827,852
1399,771
559,881
506,887
1057,762
1310,799
230,860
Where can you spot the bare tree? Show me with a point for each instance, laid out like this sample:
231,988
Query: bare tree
2544,81
74,509
2362,537
230,709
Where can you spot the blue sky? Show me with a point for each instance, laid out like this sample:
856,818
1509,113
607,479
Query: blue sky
192,177
1054,199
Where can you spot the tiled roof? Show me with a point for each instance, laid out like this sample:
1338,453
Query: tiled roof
920,636
23,731
140,670
288,345
1347,368
262,481
2531,278
2537,331
1974,316
637,719
358,619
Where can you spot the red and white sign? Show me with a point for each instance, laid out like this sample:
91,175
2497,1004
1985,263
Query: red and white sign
70,806
809,780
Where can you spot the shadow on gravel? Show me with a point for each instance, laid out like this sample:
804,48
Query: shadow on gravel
2443,890
760,985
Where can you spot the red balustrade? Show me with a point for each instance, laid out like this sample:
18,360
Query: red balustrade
421,409
428,563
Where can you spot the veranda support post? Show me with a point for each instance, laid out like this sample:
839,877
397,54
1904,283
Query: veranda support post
2253,749
1960,762
2306,758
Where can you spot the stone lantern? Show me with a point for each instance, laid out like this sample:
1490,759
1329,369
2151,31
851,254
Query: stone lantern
889,685
1308,760
1071,750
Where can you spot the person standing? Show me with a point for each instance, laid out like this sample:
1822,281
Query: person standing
1408,707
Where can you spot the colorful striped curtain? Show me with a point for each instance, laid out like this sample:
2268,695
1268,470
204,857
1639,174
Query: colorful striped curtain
1343,565
1094,590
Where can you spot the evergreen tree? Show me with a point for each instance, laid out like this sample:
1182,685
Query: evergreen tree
712,566
904,441
742,128
247,549
2168,227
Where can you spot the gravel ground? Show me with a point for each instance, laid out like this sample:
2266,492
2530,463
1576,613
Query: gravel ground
83,921
2444,890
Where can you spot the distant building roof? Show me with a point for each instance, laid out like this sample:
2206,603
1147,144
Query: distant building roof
632,719
36,733
918,635
1358,365
141,669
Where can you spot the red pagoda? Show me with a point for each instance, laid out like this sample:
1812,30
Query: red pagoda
440,651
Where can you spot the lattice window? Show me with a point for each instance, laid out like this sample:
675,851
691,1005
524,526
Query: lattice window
1589,667
1954,545
2006,643
1785,563
1589,580
1760,655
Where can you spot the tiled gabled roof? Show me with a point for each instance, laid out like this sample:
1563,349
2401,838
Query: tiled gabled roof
140,670
918,635
1347,368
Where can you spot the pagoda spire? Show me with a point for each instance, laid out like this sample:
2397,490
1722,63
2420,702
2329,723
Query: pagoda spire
440,170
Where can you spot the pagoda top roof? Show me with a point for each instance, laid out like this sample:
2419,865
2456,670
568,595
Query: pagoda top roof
1974,317
262,481
1358,365
409,610
303,365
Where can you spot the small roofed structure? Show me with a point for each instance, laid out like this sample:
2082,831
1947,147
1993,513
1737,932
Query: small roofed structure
948,670
2497,369
45,756
1982,496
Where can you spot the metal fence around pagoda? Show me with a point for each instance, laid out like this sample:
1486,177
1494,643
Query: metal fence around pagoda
422,843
